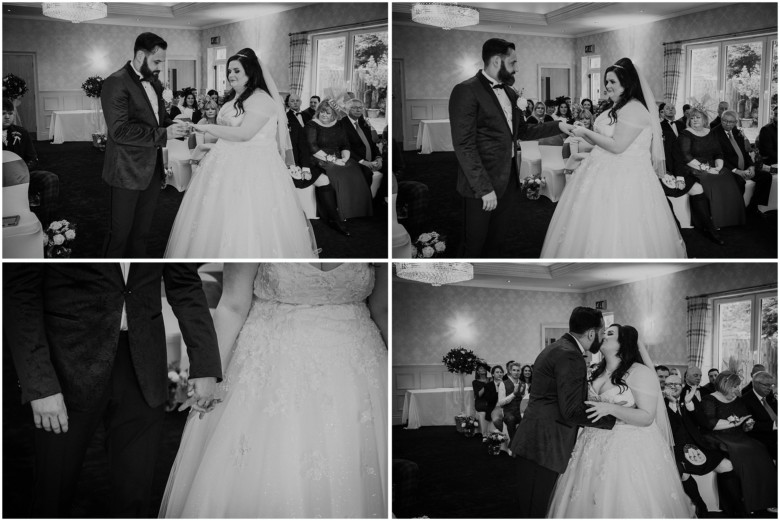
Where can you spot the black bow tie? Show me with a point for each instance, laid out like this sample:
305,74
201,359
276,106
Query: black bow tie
498,86
296,113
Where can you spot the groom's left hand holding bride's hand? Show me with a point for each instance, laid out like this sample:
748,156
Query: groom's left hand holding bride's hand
202,397
598,410
566,128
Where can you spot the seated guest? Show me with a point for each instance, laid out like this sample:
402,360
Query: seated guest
712,374
539,116
210,111
585,118
663,373
495,391
214,95
175,109
767,141
691,392
551,108
686,113
329,153
723,106
412,200
480,400
726,421
314,102
667,113
361,146
704,158
529,109
762,404
296,121
189,108
515,389
737,160
587,104
44,186
695,455
756,369
563,114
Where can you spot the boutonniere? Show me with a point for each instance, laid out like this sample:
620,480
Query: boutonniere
17,137
522,103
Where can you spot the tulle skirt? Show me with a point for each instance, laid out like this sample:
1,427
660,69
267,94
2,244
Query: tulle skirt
241,203
302,430
626,472
613,207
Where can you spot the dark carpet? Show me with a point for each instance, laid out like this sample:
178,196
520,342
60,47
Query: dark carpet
84,200
757,239
93,496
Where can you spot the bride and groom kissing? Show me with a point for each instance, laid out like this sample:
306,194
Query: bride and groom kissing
621,464
241,203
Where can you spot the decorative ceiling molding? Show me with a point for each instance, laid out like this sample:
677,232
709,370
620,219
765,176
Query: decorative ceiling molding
138,10
576,10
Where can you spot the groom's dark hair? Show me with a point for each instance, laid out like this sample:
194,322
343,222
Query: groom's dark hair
148,42
584,318
495,47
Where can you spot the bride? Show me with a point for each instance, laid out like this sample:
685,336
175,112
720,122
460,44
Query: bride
241,203
301,431
629,471
614,206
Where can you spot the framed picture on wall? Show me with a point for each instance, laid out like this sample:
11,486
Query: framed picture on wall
552,332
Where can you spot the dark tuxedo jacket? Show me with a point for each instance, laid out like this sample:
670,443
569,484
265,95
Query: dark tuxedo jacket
482,138
62,325
357,150
675,163
763,429
491,396
23,146
134,138
715,122
298,139
685,427
310,112
730,158
556,407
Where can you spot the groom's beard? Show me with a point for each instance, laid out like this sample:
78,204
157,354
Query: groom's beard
147,73
504,76
595,346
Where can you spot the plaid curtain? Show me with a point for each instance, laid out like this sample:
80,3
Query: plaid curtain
698,329
672,58
299,60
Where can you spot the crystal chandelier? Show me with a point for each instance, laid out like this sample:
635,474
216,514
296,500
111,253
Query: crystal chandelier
75,11
445,16
435,273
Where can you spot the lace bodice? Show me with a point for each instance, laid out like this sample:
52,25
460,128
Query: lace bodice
614,395
302,283
227,116
632,113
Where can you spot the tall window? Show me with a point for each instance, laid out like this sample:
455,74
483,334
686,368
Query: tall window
741,72
745,332
594,78
217,69
353,61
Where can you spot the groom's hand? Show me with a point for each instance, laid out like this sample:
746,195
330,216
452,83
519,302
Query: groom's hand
50,413
176,130
489,201
203,389
566,128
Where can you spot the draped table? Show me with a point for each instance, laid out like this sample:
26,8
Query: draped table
423,407
433,135
71,125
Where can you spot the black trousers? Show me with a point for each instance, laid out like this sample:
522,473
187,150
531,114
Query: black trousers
536,484
484,233
133,432
131,219
511,420
761,191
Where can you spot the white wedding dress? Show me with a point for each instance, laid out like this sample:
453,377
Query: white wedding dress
241,202
613,205
626,472
302,430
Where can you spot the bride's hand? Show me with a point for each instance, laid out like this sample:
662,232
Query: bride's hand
579,131
598,410
200,128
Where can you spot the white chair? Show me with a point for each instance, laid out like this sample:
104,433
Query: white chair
308,200
552,172
682,210
529,159
402,243
22,233
750,187
708,489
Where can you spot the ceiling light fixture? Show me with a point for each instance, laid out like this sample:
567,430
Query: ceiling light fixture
435,273
75,12
446,16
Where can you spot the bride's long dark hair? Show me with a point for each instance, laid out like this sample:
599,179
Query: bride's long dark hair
628,353
629,79
255,79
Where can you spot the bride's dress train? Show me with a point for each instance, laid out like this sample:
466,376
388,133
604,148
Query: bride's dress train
302,430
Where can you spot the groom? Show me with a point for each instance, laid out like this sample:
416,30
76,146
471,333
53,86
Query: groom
137,129
88,344
545,438
486,123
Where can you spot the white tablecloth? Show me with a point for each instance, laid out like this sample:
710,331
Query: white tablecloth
71,125
434,135
434,406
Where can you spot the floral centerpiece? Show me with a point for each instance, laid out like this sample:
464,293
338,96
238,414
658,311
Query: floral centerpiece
58,238
466,425
177,386
14,87
460,361
428,245
92,88
532,186
494,441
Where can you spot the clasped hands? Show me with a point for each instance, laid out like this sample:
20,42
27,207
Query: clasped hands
200,392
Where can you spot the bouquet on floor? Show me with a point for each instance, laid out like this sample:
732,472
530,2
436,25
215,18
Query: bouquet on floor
58,238
466,425
532,185
14,87
494,441
428,245
178,380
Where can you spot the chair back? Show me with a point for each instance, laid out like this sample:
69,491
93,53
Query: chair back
530,150
16,184
552,157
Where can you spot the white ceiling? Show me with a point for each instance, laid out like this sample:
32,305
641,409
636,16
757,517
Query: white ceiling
179,15
580,277
570,20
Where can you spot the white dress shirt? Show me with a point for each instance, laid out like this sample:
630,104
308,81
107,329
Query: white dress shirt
125,271
503,99
150,93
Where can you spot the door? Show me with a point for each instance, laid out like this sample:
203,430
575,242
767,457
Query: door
397,128
181,74
554,82
23,65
